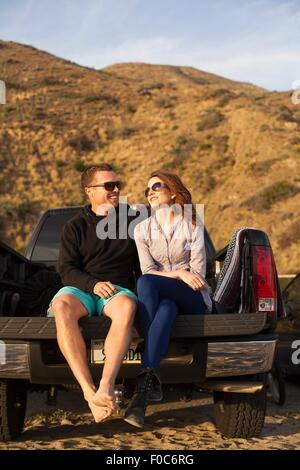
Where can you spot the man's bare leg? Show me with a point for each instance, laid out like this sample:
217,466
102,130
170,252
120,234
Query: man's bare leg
121,310
67,311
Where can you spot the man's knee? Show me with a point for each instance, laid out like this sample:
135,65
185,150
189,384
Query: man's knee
66,311
126,314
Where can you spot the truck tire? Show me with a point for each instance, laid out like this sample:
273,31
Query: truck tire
240,414
13,400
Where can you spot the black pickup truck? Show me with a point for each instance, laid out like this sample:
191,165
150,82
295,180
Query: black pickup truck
288,328
227,353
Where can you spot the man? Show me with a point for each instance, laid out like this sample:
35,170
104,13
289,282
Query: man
98,275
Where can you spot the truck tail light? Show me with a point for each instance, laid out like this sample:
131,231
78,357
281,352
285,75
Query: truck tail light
263,278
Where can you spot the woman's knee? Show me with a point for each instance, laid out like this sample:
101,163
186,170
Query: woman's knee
168,308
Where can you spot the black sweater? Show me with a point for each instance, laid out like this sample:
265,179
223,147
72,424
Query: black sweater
84,259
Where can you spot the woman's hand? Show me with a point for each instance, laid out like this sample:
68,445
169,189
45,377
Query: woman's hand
195,281
104,289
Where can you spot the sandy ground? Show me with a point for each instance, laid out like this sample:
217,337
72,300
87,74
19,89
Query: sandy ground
172,424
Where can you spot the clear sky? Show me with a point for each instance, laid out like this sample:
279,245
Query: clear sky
256,41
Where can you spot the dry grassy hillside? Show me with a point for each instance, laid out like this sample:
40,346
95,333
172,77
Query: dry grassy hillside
235,145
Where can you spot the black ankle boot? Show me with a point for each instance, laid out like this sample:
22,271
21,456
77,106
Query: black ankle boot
135,413
156,393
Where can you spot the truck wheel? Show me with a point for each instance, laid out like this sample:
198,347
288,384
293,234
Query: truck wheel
13,400
240,414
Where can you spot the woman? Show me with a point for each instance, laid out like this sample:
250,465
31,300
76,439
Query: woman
172,255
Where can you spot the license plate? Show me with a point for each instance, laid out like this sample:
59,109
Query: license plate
98,353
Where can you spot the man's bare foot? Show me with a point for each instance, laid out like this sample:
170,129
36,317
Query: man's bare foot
104,399
100,413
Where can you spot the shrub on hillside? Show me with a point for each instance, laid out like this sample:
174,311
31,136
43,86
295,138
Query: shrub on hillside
297,148
12,61
290,236
130,108
26,209
209,120
125,132
60,163
285,114
68,95
277,192
51,81
204,180
40,113
164,102
260,168
223,101
205,146
221,144
148,87
79,166
93,97
221,93
81,143
208,183
183,146
264,128
15,86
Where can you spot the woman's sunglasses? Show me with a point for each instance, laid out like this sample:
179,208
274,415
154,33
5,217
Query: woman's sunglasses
155,187
108,185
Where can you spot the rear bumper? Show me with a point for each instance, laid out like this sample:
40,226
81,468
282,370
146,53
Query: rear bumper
229,359
205,360
14,360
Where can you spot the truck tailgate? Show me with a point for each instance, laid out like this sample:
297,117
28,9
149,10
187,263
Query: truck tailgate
186,326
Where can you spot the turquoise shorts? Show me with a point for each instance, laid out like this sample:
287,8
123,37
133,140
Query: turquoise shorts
92,302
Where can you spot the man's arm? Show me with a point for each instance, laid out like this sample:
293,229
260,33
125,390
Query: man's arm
69,262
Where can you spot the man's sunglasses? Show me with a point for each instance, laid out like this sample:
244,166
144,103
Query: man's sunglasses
108,185
155,187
